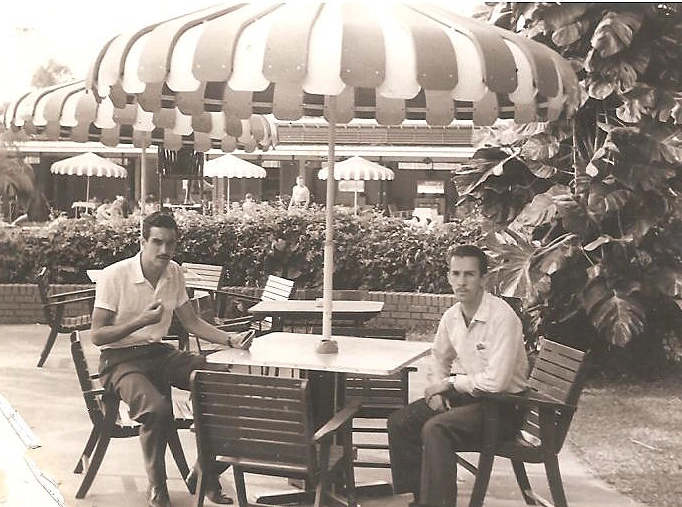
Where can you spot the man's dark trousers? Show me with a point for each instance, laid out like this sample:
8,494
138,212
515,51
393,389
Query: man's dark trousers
423,443
142,376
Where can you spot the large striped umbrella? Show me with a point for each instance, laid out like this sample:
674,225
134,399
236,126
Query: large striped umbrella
88,164
342,60
228,167
357,169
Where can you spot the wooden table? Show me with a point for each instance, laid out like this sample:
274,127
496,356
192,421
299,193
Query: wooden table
309,311
327,372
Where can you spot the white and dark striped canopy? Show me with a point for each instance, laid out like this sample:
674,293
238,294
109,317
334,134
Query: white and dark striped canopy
88,164
229,166
69,112
357,169
384,60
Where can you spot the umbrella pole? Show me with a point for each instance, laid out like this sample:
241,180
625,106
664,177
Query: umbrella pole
328,270
228,193
143,184
87,189
355,208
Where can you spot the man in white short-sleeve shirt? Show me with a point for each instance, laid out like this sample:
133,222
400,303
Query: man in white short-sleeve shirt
300,195
483,336
134,303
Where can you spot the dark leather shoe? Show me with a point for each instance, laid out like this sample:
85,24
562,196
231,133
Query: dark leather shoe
214,492
157,496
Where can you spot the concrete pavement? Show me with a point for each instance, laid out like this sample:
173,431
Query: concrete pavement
49,401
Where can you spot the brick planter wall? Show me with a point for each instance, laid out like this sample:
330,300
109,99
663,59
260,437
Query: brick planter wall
20,304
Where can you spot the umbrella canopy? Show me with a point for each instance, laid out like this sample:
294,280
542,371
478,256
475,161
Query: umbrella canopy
389,61
88,164
68,112
357,169
228,166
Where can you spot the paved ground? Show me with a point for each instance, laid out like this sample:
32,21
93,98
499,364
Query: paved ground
49,401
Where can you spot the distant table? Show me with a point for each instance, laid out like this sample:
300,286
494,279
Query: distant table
307,311
82,207
326,372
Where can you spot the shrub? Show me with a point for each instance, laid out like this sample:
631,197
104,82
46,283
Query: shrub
371,251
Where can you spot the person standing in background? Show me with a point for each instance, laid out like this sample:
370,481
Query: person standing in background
300,195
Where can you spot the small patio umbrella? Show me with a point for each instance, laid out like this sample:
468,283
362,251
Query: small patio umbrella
228,166
357,169
88,164
389,61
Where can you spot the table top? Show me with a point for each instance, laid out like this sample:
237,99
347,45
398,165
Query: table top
369,356
309,307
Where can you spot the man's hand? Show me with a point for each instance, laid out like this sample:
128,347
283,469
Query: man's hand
241,340
152,314
433,394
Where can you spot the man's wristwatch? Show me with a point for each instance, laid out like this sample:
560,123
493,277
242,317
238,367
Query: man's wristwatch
451,381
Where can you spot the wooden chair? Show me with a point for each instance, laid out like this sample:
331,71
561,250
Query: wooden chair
379,396
555,384
264,425
202,282
110,420
276,289
60,309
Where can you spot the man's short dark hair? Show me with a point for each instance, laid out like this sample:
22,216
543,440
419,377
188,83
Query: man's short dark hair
469,251
158,219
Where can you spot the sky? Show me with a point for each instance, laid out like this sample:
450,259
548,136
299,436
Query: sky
71,32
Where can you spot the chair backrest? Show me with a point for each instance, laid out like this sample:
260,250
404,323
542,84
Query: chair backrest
93,393
277,289
205,277
559,374
44,290
265,422
89,388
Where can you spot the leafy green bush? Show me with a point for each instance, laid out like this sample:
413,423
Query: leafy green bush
371,251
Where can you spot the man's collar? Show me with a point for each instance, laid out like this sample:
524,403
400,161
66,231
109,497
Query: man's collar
483,310
137,269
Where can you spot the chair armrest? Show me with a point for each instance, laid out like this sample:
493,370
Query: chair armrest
340,418
74,293
98,391
237,295
527,398
56,304
236,324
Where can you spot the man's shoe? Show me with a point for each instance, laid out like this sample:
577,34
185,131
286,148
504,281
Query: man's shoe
214,492
157,496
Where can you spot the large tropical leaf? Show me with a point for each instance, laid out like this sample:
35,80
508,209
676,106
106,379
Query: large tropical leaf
613,307
522,266
615,32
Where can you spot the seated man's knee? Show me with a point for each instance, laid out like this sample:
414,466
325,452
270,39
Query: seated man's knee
160,409
431,429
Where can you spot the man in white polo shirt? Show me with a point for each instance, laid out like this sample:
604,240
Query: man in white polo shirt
134,303
482,334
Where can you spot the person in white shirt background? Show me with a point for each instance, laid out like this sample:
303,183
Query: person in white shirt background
300,195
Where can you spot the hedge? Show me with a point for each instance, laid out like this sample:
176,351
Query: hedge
372,252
